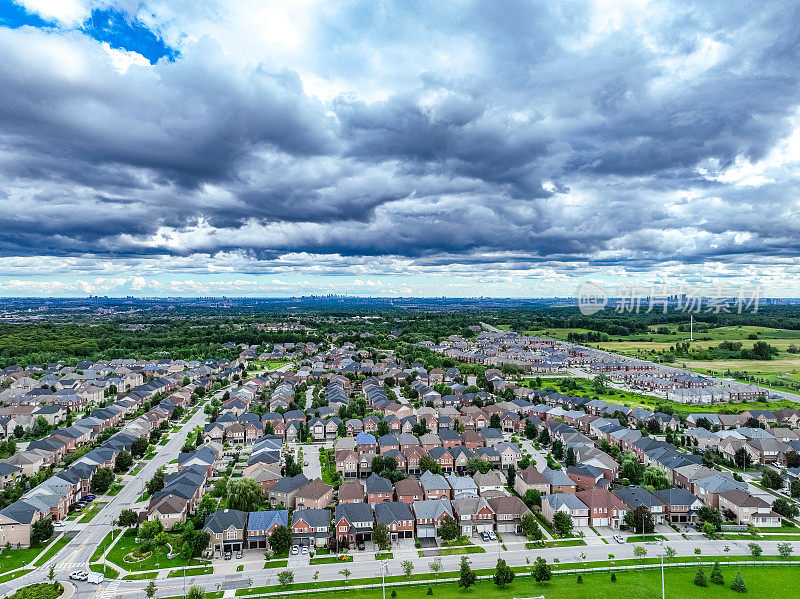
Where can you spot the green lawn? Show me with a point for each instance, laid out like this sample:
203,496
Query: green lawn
13,575
103,546
331,559
645,538
157,559
53,549
109,571
191,572
276,563
141,576
380,556
766,581
11,559
89,514
461,550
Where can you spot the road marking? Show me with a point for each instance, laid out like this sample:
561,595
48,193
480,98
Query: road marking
109,591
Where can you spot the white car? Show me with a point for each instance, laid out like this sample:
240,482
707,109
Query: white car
79,575
619,538
304,550
295,549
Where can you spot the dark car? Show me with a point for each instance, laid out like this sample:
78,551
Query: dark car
227,555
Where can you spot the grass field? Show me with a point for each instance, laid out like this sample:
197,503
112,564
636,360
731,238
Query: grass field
157,559
763,581
11,559
109,571
13,575
191,572
53,549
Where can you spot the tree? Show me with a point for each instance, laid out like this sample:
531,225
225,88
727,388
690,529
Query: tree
794,488
532,497
755,549
280,541
511,475
738,583
41,531
494,421
503,574
428,464
448,530
710,514
286,577
771,479
467,577
541,570
570,461
476,464
562,523
128,518
530,528
408,567
292,467
544,436
709,529
792,459
51,574
149,529
785,508
155,435
670,552
640,520
150,590
346,573
639,551
123,462
700,577
244,494
716,574
558,449
40,427
742,458
196,592
530,430
785,549
101,480
380,535
655,477
139,447
155,484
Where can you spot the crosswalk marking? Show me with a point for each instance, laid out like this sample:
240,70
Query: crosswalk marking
109,591
62,566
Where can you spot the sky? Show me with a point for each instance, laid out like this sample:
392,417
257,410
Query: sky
512,149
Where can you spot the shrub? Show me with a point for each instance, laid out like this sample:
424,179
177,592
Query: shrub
697,551
613,577
716,574
755,549
738,584
700,577
430,590
580,579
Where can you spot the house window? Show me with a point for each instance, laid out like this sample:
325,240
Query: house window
231,534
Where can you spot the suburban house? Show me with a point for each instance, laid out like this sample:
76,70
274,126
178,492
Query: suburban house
351,492
260,525
311,527
744,508
680,505
353,524
314,494
379,489
474,515
567,503
397,517
226,529
605,508
508,513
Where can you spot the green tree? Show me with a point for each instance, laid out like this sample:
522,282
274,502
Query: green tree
640,520
532,497
286,577
530,528
785,549
544,436
139,447
562,522
380,536
494,421
467,577
503,575
123,462
155,484
101,480
700,577
128,518
448,530
794,488
149,529
408,567
639,551
150,590
570,460
655,477
280,541
244,494
428,464
738,583
716,574
41,530
710,514
785,508
346,573
558,449
541,570
511,475
755,549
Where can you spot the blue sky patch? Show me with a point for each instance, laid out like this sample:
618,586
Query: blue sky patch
14,16
120,32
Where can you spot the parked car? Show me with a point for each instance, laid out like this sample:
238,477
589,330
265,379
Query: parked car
295,549
59,524
485,536
227,555
305,463
304,550
619,538
239,554
361,546
79,575
492,536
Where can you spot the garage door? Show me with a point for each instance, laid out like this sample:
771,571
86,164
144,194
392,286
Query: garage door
483,527
506,528
426,532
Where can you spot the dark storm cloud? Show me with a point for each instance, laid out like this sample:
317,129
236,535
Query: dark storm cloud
537,137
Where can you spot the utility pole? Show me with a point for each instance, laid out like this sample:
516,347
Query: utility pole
383,575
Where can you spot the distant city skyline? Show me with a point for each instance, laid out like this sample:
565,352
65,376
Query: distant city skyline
472,149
